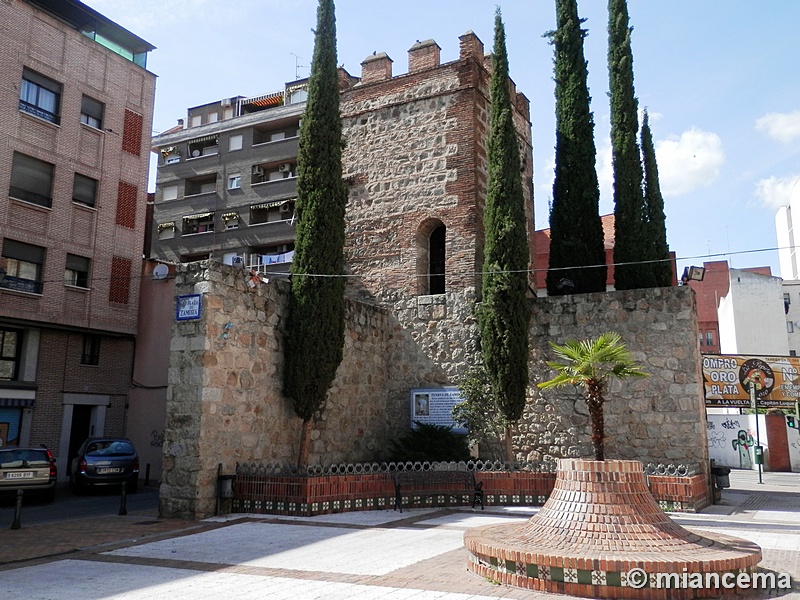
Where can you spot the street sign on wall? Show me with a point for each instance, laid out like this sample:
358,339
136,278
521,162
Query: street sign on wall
727,379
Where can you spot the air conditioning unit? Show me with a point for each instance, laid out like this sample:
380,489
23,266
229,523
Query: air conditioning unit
285,167
226,102
285,208
258,171
238,261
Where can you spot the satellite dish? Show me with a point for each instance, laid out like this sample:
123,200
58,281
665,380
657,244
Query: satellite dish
160,271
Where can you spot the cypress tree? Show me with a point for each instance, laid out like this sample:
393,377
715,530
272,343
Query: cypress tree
504,315
629,235
315,330
576,232
654,211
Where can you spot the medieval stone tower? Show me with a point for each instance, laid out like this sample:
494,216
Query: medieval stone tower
416,156
416,160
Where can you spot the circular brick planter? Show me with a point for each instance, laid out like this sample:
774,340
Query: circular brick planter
600,535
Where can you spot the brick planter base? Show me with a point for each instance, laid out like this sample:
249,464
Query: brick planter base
309,495
599,535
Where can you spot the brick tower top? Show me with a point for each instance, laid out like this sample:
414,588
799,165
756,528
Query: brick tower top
416,159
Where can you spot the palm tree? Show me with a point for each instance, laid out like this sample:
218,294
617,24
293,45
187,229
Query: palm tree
588,364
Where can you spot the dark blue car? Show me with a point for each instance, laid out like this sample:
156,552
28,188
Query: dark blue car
105,461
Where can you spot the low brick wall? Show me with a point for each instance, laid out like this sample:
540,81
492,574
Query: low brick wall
309,495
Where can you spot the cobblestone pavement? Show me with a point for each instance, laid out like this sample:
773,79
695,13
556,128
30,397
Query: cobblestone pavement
376,554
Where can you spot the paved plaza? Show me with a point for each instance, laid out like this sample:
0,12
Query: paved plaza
416,555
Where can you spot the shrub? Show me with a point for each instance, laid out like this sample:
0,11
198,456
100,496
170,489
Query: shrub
429,443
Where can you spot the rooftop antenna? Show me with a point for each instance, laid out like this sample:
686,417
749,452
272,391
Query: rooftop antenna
297,65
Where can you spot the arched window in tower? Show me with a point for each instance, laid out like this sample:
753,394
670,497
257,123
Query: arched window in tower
436,260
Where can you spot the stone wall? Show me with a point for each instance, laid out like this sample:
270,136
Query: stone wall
658,419
225,402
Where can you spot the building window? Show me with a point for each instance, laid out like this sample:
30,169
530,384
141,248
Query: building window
169,192
10,349
204,146
120,288
31,180
235,181
709,338
231,220
91,350
201,223
92,112
40,96
436,260
430,242
84,190
166,231
132,133
196,121
235,143
213,117
792,353
201,185
77,271
171,155
270,212
789,327
126,205
23,264
700,338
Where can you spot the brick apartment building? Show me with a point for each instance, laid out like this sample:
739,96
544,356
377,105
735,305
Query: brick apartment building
75,114
415,161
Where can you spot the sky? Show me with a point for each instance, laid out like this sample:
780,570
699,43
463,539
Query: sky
719,79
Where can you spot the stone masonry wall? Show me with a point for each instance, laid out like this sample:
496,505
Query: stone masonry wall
659,419
225,403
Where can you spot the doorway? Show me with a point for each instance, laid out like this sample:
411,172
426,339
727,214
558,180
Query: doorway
79,430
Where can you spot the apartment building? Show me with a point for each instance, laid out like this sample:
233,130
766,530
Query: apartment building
226,181
75,115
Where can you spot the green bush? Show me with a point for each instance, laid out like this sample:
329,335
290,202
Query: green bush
429,443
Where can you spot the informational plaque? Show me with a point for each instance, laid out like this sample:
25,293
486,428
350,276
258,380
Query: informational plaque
434,406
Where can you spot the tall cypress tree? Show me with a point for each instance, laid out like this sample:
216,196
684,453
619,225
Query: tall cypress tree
504,315
629,234
654,211
315,331
576,232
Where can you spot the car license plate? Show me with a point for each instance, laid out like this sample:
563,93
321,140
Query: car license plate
20,475
108,470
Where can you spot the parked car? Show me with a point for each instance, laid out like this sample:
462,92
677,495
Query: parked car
105,461
29,469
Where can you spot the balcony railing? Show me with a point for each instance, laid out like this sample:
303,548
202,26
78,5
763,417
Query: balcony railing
32,197
34,110
21,285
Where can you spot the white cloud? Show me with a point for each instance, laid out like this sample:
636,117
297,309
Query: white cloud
775,192
688,161
781,127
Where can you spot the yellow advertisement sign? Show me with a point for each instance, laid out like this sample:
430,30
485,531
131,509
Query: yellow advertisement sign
727,379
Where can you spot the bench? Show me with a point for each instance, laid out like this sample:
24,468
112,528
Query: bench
427,484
